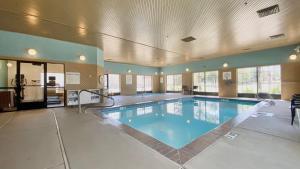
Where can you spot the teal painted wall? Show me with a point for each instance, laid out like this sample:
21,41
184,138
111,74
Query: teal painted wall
3,73
16,44
265,57
112,67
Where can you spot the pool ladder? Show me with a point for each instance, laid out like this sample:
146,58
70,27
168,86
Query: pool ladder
95,106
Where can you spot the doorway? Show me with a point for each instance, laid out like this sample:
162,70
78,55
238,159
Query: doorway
55,85
30,83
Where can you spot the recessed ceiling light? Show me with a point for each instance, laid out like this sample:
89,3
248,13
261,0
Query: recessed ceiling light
31,52
225,65
82,57
129,71
187,69
293,57
9,64
188,39
161,73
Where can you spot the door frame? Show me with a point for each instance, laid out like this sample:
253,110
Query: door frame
30,105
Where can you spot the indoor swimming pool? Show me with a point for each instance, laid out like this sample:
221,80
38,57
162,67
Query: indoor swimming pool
178,122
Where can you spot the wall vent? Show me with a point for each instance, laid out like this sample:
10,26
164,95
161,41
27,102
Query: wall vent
188,39
268,11
277,36
246,49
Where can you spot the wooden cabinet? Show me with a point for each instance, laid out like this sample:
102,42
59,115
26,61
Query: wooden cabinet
7,100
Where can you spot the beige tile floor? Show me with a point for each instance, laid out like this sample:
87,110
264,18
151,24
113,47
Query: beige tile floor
30,141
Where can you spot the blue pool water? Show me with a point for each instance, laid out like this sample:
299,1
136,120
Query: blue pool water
178,122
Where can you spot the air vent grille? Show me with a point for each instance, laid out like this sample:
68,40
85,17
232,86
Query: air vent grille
268,11
188,39
246,48
277,36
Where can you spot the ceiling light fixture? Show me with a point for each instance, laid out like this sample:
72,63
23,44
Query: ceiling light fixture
225,65
156,73
82,57
293,57
32,52
129,71
187,69
161,73
9,64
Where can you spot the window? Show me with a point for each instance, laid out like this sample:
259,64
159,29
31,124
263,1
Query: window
59,78
170,83
269,79
206,81
174,82
148,83
144,83
247,80
263,79
198,80
140,83
211,82
105,79
113,83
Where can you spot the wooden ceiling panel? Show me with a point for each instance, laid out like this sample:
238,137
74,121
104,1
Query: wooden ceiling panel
149,32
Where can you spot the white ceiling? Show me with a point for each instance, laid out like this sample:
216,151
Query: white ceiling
149,32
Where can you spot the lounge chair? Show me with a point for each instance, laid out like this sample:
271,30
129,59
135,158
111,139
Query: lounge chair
295,104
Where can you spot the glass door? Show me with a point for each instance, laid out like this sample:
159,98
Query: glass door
31,91
55,85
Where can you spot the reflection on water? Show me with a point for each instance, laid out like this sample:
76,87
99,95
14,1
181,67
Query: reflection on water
207,111
174,108
178,122
144,110
114,115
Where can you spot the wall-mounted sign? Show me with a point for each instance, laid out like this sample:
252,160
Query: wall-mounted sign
161,80
226,75
72,78
129,79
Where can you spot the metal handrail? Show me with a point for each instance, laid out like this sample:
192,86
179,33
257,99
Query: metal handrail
268,100
84,90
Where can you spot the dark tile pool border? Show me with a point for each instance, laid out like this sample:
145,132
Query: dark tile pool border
187,152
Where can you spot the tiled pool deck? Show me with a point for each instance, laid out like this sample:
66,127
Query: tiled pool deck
29,140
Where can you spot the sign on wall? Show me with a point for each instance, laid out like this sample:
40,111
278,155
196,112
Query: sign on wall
72,78
128,79
226,75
